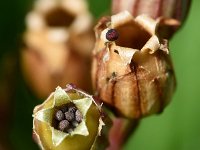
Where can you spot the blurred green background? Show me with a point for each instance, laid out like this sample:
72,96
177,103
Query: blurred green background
177,128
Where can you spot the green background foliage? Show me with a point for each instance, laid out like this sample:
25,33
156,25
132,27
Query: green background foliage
177,128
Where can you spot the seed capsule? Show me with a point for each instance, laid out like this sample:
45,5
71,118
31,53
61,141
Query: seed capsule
174,12
55,132
133,74
57,45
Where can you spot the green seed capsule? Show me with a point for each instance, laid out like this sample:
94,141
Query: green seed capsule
66,118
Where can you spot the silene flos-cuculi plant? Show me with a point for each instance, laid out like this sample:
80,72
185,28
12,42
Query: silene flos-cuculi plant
132,72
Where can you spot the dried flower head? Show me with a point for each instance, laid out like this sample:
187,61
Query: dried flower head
58,42
133,73
68,119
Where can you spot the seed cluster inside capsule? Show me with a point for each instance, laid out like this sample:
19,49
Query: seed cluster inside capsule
67,118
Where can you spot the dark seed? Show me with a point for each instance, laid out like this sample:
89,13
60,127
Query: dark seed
63,125
72,109
59,115
69,116
112,35
78,116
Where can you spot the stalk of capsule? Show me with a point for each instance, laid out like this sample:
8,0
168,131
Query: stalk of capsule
132,73
69,119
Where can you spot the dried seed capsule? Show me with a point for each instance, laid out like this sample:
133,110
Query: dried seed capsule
57,46
56,134
174,12
133,74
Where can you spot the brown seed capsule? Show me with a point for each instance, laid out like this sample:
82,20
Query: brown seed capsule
133,74
174,11
56,46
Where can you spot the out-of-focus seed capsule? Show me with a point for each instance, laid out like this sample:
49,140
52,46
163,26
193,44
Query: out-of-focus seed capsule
85,131
58,43
134,73
174,12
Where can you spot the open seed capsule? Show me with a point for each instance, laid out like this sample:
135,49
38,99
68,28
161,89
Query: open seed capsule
132,73
69,119
173,13
57,45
